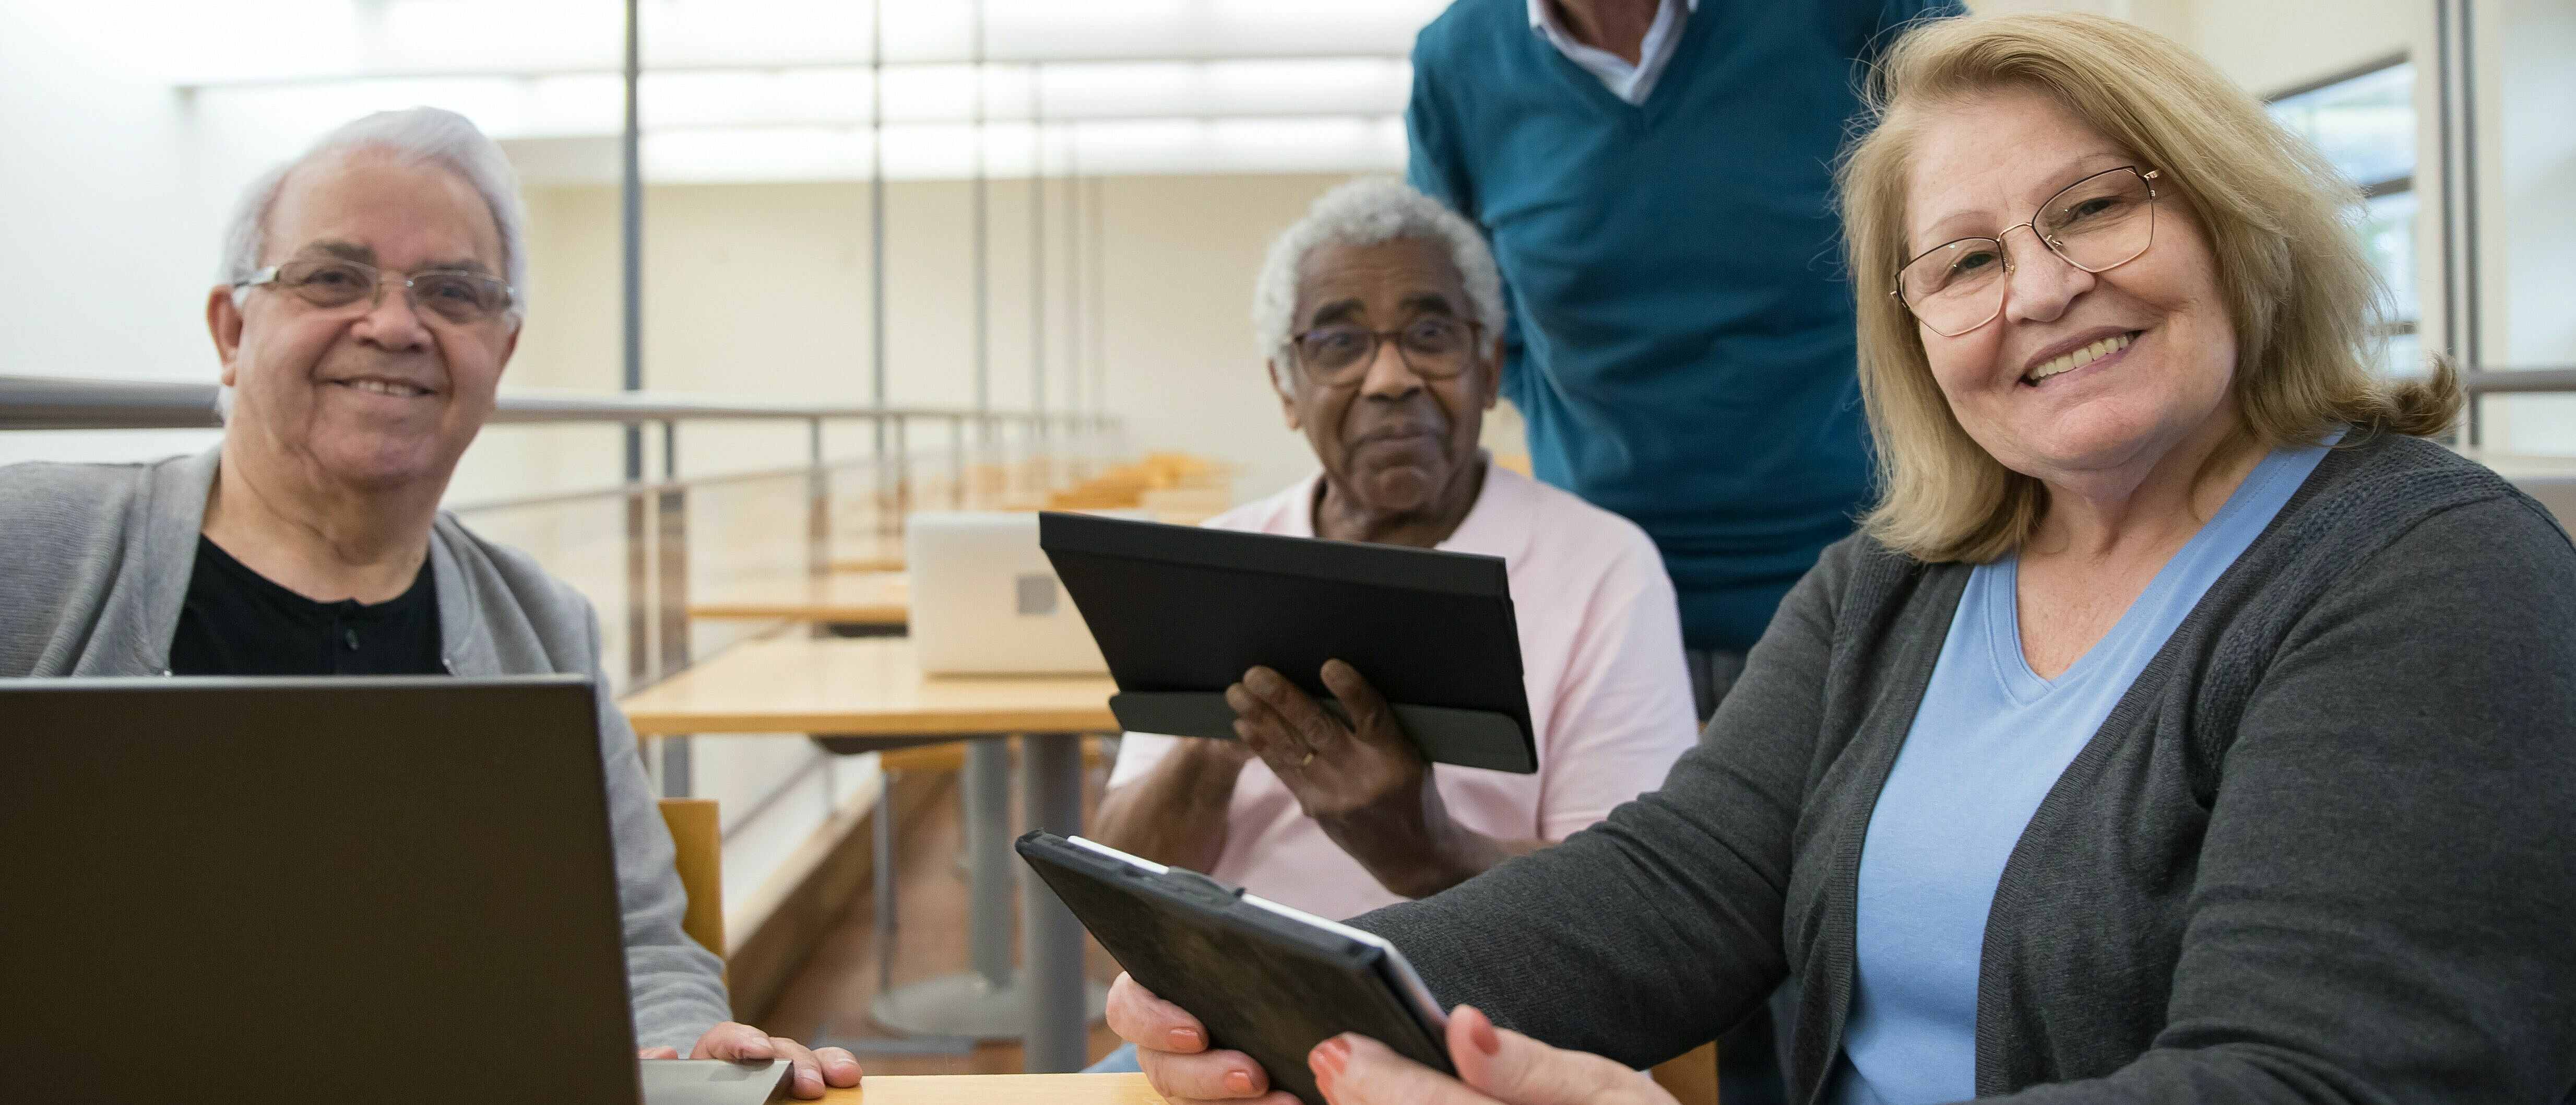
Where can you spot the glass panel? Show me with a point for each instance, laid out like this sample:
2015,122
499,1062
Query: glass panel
2404,356
2388,233
2365,125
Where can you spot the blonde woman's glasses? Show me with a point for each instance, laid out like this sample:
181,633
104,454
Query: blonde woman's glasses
2096,224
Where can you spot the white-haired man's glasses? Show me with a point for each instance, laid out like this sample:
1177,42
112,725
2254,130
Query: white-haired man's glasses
1435,347
457,296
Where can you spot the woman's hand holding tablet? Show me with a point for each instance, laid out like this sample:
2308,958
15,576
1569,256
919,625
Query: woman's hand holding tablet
1496,1066
1172,1047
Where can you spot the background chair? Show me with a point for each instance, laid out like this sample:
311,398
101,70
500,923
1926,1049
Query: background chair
1690,1077
699,835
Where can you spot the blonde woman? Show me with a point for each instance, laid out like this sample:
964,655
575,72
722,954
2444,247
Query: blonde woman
2182,726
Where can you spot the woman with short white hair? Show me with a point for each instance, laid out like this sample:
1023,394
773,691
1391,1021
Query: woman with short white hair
2181,727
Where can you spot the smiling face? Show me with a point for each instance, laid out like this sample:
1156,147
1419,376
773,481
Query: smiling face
374,398
1392,441
2083,376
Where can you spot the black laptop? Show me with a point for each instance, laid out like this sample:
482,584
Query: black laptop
390,890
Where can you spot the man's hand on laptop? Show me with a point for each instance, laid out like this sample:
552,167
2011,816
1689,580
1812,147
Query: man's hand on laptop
831,1067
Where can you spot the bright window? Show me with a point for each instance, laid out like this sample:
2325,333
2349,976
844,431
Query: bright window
2365,124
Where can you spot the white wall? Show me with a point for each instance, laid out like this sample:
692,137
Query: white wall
2281,44
763,290
96,157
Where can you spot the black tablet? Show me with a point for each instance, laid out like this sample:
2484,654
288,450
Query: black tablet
1266,980
1181,612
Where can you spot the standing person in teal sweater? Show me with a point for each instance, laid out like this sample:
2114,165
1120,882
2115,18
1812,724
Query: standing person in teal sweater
1655,176
1656,179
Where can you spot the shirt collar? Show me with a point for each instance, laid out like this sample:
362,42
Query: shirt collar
1497,523
1542,19
1632,83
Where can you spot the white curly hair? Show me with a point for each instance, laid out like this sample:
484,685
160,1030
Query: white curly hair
1365,212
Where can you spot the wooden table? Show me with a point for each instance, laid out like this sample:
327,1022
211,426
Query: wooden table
860,686
868,554
999,1089
872,687
873,599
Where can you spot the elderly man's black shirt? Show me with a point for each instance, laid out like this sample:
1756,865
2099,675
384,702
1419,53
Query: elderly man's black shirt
238,622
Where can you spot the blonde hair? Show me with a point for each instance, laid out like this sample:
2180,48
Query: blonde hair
2291,271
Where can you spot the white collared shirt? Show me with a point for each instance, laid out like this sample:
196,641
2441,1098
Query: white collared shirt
1632,83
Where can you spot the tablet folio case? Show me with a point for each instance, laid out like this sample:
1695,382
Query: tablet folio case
1265,985
1181,612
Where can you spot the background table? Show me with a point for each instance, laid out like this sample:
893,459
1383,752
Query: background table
877,600
872,687
864,686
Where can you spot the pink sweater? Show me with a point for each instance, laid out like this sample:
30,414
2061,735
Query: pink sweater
1601,653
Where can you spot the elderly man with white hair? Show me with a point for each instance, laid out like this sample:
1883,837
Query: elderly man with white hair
1381,317
366,310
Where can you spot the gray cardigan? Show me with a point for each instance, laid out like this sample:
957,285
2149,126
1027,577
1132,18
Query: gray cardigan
2324,850
94,563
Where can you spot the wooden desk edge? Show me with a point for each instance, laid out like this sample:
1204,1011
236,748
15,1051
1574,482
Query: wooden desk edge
879,614
999,1089
921,723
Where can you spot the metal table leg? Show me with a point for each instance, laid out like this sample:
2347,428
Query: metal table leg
981,1003
991,1002
988,849
1051,781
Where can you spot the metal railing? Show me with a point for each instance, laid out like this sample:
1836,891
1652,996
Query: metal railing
75,403
2511,381
656,523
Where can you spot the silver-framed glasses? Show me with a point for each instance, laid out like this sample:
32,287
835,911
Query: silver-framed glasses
456,295
2096,224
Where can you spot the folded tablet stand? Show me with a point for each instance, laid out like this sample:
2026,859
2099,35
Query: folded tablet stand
1467,738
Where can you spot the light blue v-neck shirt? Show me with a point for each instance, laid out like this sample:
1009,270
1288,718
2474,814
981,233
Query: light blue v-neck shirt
1986,746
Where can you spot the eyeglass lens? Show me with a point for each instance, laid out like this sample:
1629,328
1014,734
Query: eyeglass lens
1434,346
2099,223
459,297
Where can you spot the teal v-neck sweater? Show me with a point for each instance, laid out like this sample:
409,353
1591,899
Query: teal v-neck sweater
1681,337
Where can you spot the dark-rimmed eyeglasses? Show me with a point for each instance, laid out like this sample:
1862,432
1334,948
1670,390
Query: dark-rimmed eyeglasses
1435,347
458,296
2096,224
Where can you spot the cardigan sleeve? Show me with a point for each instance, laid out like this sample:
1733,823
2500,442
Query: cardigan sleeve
676,988
2385,908
1653,931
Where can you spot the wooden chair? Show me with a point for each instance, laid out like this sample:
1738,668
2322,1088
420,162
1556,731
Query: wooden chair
1690,1077
699,835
